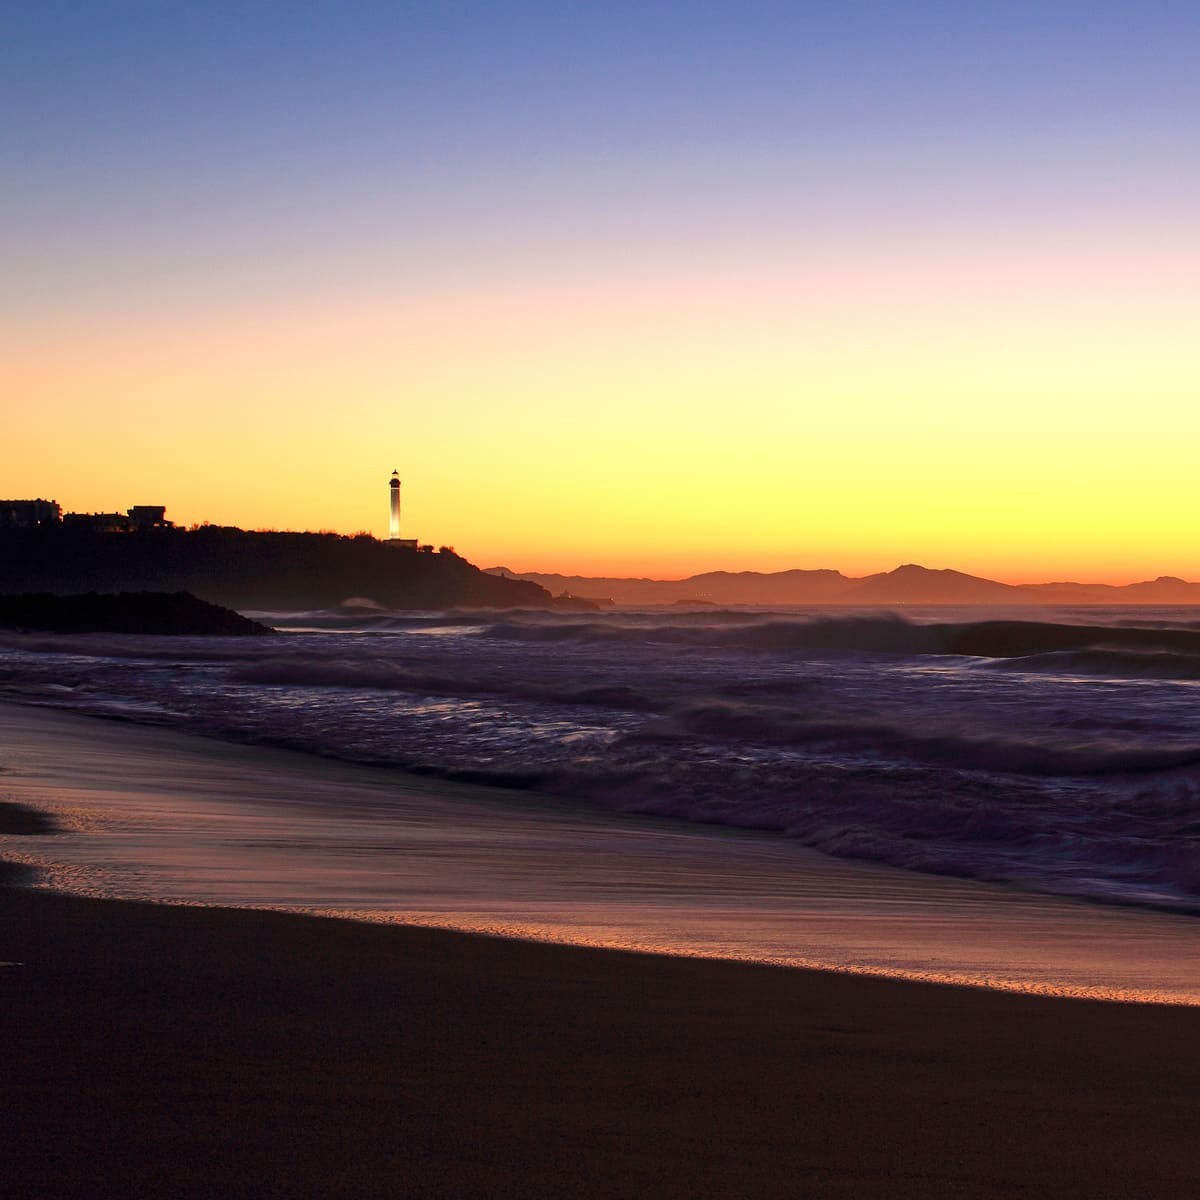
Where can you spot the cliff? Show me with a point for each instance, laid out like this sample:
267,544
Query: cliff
240,569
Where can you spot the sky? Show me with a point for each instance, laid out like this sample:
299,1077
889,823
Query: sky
646,288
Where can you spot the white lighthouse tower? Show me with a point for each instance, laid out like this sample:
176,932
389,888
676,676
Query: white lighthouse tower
394,538
394,522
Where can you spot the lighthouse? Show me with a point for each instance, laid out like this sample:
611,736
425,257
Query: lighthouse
394,523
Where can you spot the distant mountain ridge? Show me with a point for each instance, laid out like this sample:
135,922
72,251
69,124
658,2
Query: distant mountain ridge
907,584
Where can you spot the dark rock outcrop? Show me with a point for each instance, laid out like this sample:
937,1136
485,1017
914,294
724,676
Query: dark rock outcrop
123,612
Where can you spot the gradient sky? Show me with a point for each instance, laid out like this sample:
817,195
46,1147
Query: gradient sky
620,288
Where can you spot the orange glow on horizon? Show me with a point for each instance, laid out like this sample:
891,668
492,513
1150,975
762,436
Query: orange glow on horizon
852,415
618,293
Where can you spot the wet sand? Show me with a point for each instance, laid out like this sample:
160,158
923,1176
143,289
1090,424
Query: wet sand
156,814
166,1051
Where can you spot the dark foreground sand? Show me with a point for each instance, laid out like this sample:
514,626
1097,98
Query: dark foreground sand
167,1052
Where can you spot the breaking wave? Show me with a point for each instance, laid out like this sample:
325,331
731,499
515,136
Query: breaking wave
1111,664
339,672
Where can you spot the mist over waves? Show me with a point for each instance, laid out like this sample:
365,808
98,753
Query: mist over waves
1060,752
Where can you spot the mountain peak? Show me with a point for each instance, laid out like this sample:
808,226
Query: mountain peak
911,583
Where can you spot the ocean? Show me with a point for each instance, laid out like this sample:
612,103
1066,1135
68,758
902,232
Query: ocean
1055,752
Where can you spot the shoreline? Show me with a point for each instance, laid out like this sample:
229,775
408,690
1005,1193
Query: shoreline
158,814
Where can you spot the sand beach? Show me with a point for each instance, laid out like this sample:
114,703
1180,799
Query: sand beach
169,1050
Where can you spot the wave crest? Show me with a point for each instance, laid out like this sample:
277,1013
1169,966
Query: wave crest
886,633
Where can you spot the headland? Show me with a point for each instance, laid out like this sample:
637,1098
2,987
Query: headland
240,569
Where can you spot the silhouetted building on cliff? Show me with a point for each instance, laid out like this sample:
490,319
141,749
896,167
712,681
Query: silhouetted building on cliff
46,514
97,522
29,514
149,516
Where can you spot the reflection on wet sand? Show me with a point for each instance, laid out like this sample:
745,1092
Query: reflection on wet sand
152,814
